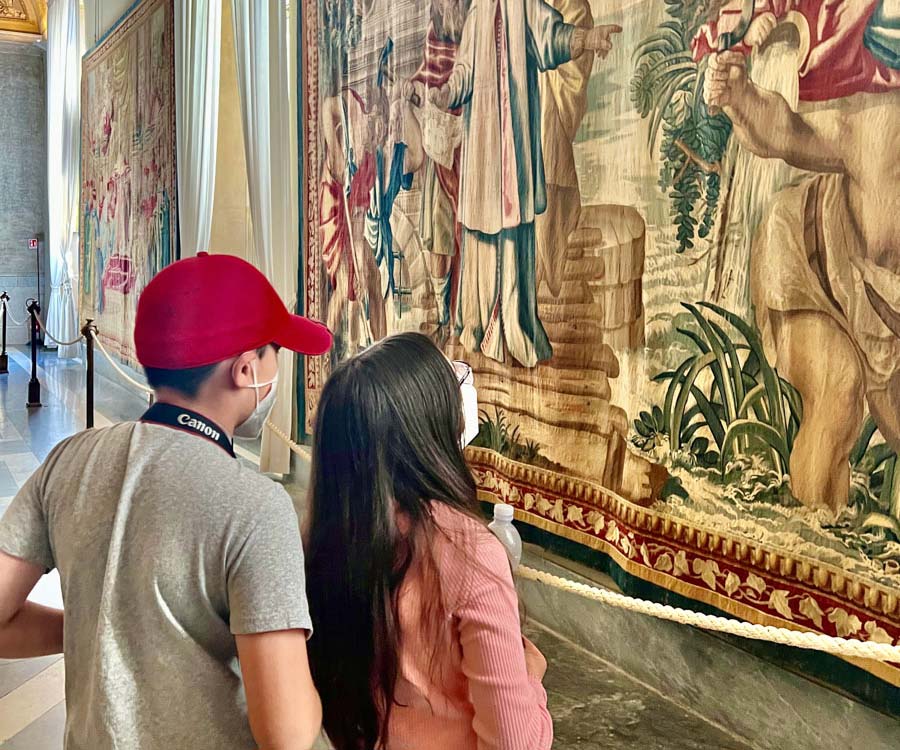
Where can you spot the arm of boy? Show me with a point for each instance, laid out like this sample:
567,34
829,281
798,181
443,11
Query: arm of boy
282,703
26,629
269,617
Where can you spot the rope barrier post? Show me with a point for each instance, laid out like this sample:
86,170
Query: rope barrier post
34,385
4,358
88,333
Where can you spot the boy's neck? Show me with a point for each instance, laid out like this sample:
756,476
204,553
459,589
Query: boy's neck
213,409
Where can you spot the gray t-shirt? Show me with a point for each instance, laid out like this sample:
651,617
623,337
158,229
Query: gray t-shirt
166,548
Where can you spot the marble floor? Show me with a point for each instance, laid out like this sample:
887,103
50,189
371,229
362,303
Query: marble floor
594,704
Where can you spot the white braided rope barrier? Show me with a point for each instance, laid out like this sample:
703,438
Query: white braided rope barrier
115,365
10,316
300,450
53,338
846,647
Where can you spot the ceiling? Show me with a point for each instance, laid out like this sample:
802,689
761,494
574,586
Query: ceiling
23,17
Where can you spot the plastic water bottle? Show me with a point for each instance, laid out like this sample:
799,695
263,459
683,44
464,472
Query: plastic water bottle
504,530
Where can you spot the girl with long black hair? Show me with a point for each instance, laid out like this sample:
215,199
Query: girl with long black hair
418,643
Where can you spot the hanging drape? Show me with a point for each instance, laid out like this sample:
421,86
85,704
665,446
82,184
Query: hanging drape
265,72
198,45
65,45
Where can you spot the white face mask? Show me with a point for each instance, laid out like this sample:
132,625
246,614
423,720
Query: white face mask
470,414
252,426
470,409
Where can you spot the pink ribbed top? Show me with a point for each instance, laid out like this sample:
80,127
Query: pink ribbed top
466,688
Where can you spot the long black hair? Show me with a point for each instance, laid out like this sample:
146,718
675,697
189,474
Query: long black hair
387,440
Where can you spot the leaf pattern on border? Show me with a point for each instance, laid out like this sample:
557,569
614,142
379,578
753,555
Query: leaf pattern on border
810,609
708,570
877,634
779,601
681,564
732,583
845,624
664,563
756,583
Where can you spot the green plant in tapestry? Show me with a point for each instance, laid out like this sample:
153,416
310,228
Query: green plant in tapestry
498,434
876,486
724,399
667,89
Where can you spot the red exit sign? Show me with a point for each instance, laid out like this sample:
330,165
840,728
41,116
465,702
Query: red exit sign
32,244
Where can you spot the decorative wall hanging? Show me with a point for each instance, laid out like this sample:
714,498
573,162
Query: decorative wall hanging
672,263
129,228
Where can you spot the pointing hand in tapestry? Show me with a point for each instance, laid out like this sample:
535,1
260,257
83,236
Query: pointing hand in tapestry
597,40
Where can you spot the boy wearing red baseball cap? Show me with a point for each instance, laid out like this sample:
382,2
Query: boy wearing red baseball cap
175,560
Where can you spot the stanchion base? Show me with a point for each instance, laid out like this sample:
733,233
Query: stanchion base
4,364
34,395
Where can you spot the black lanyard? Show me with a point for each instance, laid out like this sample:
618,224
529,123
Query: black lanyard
190,422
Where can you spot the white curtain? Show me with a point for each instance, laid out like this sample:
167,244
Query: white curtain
198,46
266,76
65,45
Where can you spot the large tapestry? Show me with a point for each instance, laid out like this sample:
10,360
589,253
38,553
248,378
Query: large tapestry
128,181
670,253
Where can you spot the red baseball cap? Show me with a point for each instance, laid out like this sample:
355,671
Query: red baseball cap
206,309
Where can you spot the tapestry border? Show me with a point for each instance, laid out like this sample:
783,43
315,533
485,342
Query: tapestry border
315,369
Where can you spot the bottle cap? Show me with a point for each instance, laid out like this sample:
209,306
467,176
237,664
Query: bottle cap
503,512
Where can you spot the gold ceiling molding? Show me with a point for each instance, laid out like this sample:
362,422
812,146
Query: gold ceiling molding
23,17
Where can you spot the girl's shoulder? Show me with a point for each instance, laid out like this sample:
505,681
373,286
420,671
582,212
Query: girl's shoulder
466,553
466,532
